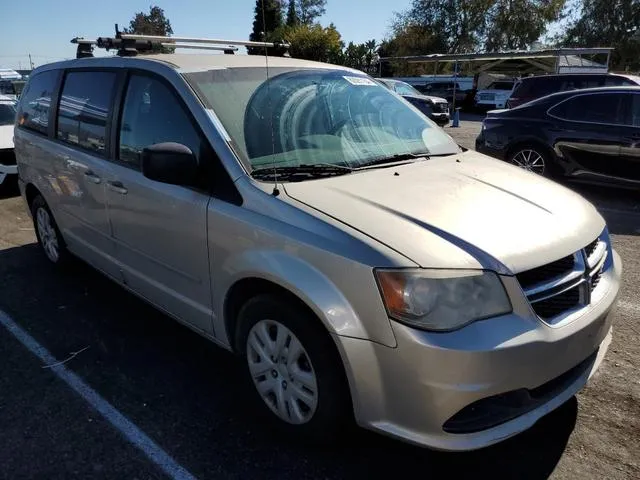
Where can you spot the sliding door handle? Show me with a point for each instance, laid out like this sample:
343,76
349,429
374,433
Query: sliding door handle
117,186
92,177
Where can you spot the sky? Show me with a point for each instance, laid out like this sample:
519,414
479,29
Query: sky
43,28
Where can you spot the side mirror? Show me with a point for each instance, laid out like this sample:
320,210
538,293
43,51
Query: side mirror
171,163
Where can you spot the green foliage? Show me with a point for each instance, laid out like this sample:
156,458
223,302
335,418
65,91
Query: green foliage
313,42
267,19
516,24
292,14
310,10
608,23
153,23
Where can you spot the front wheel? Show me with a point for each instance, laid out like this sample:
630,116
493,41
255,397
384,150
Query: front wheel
294,367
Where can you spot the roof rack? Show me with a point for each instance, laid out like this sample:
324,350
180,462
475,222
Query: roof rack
128,45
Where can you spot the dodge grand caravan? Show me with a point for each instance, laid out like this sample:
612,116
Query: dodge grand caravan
360,263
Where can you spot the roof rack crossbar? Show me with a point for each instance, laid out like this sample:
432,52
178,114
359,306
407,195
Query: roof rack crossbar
160,38
129,44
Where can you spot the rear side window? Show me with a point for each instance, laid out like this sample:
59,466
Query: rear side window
603,108
36,101
84,108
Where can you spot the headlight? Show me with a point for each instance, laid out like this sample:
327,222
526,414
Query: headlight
442,300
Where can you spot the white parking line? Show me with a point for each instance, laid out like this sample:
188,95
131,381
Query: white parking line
131,432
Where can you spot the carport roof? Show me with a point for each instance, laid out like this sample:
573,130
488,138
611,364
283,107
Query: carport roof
548,60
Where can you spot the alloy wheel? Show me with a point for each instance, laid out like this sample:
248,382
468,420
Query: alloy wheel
282,372
48,235
529,160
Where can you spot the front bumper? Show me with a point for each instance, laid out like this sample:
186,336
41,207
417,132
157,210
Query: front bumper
413,390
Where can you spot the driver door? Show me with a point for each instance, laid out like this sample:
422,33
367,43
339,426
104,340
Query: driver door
160,230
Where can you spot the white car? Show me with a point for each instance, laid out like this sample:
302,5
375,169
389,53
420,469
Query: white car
495,96
7,155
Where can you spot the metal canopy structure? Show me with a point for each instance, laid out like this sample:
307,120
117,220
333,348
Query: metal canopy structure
560,60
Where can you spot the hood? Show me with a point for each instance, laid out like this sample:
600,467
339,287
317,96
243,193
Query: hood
464,211
6,136
427,97
495,92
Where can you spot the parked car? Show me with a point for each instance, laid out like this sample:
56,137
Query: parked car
7,156
530,88
463,95
359,262
437,109
494,96
592,135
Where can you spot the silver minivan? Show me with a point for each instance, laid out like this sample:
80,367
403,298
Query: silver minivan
360,263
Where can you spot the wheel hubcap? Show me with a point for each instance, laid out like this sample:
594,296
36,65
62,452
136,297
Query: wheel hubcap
47,234
282,372
529,160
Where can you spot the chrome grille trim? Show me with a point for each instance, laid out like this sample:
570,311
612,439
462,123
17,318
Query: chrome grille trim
584,277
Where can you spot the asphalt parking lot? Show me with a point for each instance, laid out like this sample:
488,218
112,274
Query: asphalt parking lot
178,401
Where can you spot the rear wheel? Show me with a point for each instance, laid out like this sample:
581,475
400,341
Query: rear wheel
294,368
531,158
47,232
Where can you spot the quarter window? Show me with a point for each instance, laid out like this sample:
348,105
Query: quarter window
153,115
604,108
84,108
35,102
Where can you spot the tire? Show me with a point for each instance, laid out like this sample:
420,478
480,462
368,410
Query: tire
48,234
532,158
314,398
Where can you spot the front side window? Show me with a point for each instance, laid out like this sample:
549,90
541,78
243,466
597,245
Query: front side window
36,101
152,114
7,113
85,105
406,89
603,108
315,116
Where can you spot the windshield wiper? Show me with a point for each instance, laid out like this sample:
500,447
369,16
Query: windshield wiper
300,172
394,159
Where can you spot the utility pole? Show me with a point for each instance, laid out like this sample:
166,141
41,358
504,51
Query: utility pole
30,62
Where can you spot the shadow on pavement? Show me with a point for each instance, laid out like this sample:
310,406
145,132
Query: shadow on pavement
188,395
9,188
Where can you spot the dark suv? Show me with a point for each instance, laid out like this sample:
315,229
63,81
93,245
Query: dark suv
530,88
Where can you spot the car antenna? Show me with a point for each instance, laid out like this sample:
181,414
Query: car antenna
275,191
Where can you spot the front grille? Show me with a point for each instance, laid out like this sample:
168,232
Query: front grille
7,157
557,304
546,273
440,107
561,287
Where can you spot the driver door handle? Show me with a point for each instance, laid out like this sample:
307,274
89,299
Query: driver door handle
92,177
117,186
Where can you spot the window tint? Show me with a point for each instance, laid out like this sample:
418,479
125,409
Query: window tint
635,110
7,114
36,101
84,108
605,108
152,114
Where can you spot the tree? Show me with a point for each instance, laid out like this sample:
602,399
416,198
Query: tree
314,42
292,14
516,24
607,23
267,19
457,25
410,39
310,10
153,23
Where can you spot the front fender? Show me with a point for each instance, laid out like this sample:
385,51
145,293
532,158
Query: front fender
362,315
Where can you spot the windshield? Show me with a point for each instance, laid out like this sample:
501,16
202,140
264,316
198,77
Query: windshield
500,86
315,116
406,89
7,114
